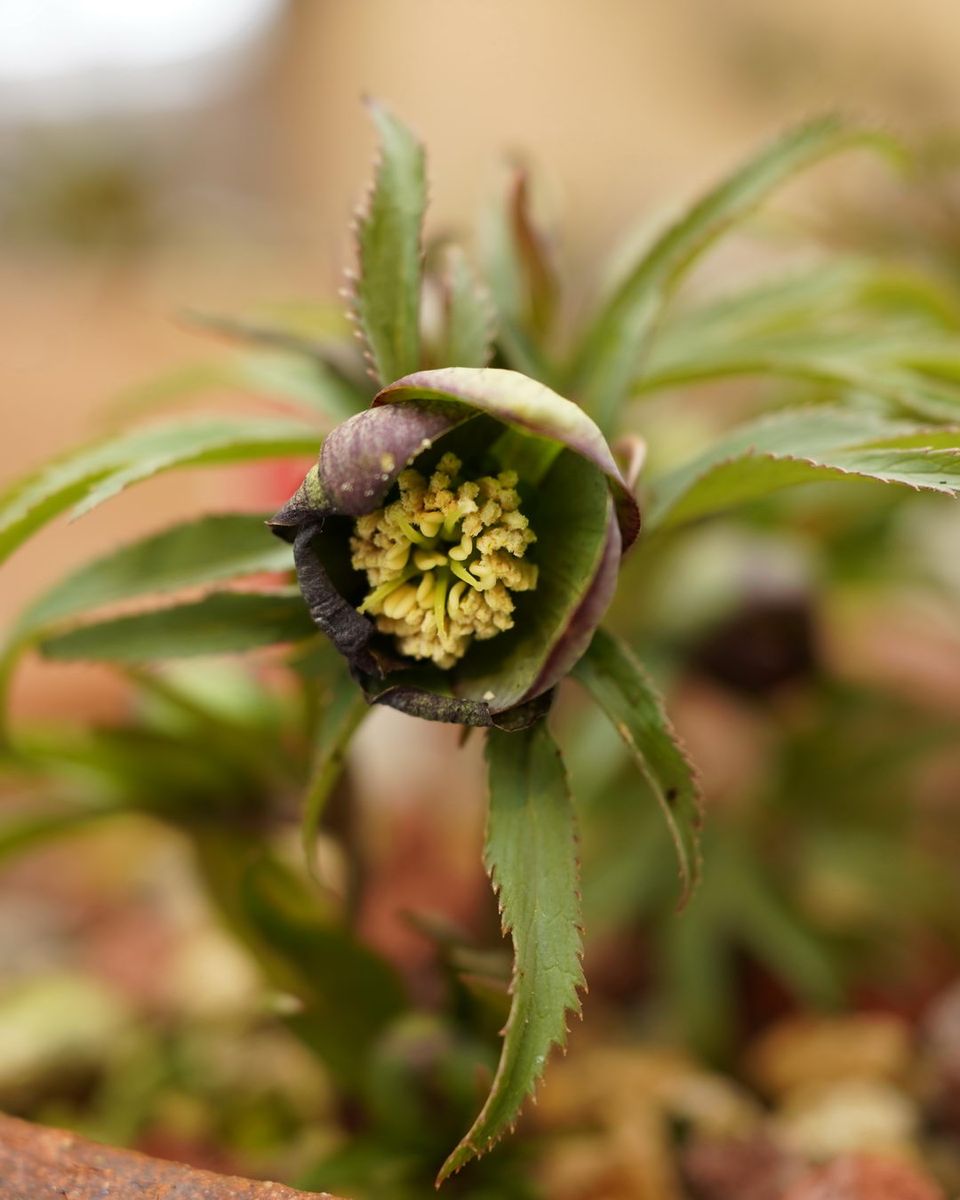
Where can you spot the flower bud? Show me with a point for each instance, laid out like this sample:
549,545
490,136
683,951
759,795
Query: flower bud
459,542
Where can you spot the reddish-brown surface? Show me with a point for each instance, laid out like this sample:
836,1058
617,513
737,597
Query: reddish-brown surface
47,1164
865,1177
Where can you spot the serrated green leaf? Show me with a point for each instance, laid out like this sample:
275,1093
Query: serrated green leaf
608,360
531,858
875,362
224,623
797,432
808,302
615,679
89,476
468,315
386,292
189,555
755,475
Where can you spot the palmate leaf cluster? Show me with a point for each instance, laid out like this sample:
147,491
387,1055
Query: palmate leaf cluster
858,356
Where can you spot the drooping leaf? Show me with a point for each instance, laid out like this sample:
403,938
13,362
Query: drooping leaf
386,291
608,360
344,707
223,623
531,858
193,554
468,315
89,476
619,685
794,432
212,549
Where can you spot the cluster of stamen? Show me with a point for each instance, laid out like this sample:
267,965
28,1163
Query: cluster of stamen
443,559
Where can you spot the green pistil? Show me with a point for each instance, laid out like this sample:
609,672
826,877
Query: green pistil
440,602
411,534
461,572
379,594
451,527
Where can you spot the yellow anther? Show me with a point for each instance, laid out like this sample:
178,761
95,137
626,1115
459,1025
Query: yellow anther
453,599
426,560
425,590
442,560
374,601
430,526
396,557
399,603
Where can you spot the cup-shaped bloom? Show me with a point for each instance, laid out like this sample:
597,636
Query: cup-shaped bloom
459,542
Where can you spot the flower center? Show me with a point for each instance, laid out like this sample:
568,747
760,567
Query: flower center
443,559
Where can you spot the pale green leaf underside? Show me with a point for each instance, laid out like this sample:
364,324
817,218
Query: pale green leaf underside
883,363
223,623
89,476
755,475
531,858
858,292
619,685
608,360
387,288
468,315
798,432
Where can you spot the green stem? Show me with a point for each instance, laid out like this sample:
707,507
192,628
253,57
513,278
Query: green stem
346,711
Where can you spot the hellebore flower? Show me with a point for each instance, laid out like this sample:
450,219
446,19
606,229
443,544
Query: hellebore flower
459,542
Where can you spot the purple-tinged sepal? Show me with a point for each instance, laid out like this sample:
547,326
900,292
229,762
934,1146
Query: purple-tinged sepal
459,542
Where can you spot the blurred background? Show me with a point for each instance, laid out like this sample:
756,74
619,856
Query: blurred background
207,155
